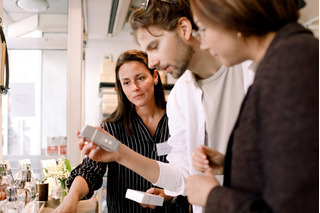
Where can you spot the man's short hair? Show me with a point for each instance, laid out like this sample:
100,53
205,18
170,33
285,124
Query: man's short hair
164,14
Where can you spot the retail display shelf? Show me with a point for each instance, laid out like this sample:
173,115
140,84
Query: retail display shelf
109,84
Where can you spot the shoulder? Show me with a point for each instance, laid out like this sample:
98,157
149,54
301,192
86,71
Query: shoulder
110,127
184,82
184,89
293,47
164,119
292,58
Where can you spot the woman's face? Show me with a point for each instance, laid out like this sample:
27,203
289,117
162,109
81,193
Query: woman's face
221,43
138,83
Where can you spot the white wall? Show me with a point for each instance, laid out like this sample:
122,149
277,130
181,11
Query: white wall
94,51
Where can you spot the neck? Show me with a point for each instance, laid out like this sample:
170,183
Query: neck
259,46
148,112
150,117
203,64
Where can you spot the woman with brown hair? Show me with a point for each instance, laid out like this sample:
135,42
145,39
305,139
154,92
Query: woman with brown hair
272,159
140,122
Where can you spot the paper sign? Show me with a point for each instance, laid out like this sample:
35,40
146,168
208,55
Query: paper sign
22,99
163,148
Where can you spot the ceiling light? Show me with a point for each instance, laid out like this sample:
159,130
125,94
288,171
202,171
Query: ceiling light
34,6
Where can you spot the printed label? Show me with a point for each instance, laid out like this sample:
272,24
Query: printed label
52,149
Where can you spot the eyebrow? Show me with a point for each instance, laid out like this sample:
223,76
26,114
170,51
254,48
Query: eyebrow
140,73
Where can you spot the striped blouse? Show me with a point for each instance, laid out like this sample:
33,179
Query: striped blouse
119,177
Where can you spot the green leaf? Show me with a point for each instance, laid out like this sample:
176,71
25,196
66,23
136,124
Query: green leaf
68,166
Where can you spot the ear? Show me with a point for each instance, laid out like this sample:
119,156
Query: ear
185,27
155,77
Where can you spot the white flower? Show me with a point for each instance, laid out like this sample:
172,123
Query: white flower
61,171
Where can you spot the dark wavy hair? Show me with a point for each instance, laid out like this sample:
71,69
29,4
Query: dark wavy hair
125,109
162,14
250,17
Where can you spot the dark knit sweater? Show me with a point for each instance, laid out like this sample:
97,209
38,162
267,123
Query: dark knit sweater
273,154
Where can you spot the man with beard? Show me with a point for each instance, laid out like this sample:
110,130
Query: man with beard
203,105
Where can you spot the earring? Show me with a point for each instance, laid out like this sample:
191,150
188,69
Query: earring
239,34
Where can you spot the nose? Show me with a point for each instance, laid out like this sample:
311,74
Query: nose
203,45
134,86
153,62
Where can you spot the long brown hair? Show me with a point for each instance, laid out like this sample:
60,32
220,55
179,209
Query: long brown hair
125,109
250,17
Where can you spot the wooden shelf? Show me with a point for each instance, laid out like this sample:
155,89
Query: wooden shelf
108,84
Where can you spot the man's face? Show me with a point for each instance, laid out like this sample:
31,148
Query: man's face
166,50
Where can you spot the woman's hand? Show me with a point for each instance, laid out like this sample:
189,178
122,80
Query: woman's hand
204,157
69,205
198,187
78,190
158,192
95,152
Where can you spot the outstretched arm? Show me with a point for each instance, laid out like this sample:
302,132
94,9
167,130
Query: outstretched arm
125,156
78,190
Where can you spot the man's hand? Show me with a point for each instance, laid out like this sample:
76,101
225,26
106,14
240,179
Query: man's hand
204,157
156,191
95,152
198,187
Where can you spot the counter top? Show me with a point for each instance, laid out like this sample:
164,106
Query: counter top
84,206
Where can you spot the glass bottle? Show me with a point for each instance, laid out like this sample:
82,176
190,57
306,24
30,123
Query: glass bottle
30,184
12,206
2,192
6,180
9,173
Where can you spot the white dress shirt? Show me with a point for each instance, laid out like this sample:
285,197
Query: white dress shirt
188,109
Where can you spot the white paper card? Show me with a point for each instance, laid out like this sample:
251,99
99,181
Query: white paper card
144,197
163,148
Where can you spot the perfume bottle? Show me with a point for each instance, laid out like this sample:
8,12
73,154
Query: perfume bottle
6,180
12,206
30,185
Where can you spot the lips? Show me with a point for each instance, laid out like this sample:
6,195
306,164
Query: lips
163,68
166,69
213,53
137,96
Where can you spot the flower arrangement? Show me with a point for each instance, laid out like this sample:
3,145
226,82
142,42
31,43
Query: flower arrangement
60,172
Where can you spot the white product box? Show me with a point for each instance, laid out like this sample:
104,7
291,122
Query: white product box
144,198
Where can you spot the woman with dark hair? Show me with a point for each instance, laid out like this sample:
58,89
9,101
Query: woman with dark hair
126,106
140,122
272,159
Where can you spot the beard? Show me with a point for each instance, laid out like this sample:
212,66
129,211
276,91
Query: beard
182,61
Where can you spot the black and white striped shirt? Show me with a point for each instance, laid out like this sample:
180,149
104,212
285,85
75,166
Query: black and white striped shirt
120,178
